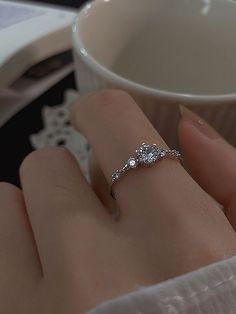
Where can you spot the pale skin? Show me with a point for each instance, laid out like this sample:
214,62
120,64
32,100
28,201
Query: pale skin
60,250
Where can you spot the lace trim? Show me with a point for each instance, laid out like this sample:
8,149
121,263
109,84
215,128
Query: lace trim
57,131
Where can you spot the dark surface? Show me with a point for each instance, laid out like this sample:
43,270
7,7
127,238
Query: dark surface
71,3
14,135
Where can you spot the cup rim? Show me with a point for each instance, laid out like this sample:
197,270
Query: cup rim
130,85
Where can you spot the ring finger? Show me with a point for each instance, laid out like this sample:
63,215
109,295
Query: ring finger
161,206
116,128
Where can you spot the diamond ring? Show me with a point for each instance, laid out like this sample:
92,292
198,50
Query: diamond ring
146,155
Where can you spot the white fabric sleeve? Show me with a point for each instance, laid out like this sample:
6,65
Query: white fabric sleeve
208,290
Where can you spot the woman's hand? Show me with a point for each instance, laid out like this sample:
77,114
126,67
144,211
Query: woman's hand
60,250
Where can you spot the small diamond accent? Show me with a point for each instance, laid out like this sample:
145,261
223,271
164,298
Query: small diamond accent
132,163
116,176
163,154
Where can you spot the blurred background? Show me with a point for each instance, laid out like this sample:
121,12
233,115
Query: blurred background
41,119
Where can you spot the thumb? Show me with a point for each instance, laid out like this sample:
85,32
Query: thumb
210,160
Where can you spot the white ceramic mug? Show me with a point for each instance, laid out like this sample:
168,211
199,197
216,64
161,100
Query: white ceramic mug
164,53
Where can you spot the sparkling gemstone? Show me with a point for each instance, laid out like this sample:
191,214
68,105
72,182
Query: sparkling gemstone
115,176
162,153
148,154
132,163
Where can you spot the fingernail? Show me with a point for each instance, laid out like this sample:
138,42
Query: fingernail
198,123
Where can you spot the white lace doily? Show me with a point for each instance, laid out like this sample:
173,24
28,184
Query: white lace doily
57,131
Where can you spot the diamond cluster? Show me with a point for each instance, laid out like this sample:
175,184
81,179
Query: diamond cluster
148,154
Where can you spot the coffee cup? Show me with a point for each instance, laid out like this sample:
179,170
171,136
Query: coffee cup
164,53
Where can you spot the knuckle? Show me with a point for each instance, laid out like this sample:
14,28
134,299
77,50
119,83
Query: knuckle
110,96
110,100
48,153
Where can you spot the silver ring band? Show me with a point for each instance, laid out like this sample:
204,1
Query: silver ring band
146,155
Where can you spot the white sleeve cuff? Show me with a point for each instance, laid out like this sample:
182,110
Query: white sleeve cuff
208,290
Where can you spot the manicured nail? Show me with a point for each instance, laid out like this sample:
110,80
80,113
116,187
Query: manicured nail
198,123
